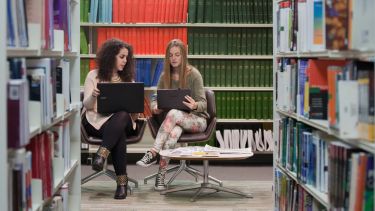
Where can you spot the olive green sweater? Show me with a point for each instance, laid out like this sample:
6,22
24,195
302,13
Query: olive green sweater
195,83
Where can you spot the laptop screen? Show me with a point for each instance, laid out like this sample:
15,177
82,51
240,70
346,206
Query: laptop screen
172,98
125,96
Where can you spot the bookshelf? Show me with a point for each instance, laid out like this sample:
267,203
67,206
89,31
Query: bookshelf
318,163
234,18
3,121
65,175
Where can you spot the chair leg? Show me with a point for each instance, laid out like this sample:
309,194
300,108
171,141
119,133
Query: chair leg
91,176
174,168
133,181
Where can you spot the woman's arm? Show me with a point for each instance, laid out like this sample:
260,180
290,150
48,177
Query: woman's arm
154,104
198,92
89,97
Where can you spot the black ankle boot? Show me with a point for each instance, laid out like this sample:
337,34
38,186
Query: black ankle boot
122,187
99,159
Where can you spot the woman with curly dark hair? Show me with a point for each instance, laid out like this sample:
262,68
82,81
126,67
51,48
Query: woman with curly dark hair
115,63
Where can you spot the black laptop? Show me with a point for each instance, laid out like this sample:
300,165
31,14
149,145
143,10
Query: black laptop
172,98
125,96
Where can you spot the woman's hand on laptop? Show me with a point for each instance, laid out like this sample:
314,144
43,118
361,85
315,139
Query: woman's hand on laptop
190,103
95,92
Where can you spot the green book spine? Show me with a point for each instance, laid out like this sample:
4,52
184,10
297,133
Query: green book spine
200,11
214,74
206,42
269,42
246,105
246,71
233,105
254,105
207,72
218,104
243,42
202,45
242,113
215,41
196,39
254,41
256,73
251,73
224,11
208,6
192,13
191,41
261,73
228,74
270,73
237,100
234,73
266,73
210,42
240,76
259,41
222,72
256,11
265,106
259,102
216,11
83,42
224,104
238,41
86,10
270,105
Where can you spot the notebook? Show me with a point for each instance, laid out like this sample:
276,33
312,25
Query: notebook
172,98
125,96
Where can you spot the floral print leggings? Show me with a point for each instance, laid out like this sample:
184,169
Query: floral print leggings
173,125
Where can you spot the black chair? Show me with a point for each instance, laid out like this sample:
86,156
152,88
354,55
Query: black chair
86,138
154,124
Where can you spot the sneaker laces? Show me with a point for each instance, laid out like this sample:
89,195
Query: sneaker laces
160,179
148,157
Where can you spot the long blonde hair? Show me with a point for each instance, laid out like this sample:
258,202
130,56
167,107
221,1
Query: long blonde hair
185,66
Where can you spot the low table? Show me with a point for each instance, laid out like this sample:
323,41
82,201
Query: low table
205,184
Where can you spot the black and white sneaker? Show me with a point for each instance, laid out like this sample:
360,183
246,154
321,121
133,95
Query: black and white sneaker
147,160
159,180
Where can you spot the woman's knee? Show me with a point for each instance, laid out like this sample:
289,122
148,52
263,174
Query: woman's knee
173,112
122,115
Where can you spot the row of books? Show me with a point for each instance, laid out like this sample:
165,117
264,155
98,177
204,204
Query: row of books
244,105
306,86
37,85
289,195
235,73
149,71
258,140
150,40
127,11
229,11
304,152
317,25
36,167
343,172
39,21
230,41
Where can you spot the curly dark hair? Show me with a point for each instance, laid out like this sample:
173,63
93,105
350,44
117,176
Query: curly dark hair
106,60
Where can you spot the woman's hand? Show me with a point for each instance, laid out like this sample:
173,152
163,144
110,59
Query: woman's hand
190,103
156,110
135,116
95,92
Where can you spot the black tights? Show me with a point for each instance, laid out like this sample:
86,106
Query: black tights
114,132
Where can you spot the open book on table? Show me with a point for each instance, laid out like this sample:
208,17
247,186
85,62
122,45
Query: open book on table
208,151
